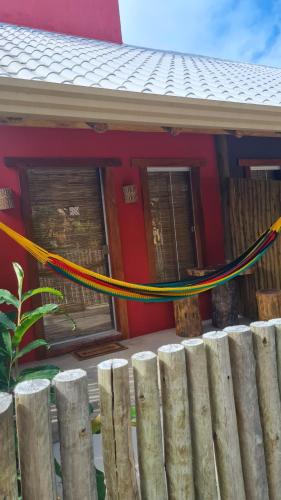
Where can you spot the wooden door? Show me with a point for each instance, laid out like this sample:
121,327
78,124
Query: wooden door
68,219
172,221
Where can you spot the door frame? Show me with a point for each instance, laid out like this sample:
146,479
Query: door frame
106,166
194,164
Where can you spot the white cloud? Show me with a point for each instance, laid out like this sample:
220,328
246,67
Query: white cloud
248,30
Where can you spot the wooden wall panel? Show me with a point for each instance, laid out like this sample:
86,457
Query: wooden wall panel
254,204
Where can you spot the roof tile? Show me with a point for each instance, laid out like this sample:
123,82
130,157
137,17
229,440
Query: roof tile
52,57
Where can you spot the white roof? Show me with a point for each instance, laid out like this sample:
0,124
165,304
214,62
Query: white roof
31,54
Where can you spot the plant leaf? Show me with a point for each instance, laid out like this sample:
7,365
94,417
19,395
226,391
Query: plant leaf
7,297
96,425
71,320
58,469
20,275
4,386
44,371
133,415
3,353
45,309
7,343
6,322
4,372
31,346
101,489
28,320
37,291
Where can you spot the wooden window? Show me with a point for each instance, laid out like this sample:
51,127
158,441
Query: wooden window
265,172
172,221
266,169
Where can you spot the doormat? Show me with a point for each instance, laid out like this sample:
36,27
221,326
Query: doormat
98,350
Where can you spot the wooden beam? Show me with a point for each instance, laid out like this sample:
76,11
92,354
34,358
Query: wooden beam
64,103
255,162
148,226
197,215
63,162
115,249
224,175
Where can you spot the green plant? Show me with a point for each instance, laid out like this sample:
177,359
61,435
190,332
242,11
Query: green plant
14,325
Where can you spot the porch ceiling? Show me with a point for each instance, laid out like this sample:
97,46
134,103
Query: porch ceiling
49,79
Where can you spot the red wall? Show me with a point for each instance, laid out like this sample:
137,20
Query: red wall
143,318
90,18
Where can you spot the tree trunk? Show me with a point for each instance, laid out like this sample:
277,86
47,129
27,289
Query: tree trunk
243,367
149,429
187,317
8,470
269,304
176,425
269,402
225,430
225,304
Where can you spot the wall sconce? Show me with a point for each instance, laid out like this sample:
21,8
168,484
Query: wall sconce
6,199
130,193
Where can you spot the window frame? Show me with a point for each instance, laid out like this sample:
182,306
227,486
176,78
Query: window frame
261,164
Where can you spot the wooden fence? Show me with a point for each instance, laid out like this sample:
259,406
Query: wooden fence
212,431
254,204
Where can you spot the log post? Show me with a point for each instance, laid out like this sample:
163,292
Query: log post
243,368
35,440
176,425
224,421
225,299
277,324
8,470
187,317
204,470
149,428
269,304
119,465
76,448
269,402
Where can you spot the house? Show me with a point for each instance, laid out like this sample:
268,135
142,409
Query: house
118,157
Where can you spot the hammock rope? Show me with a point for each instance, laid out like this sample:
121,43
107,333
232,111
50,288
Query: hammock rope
153,292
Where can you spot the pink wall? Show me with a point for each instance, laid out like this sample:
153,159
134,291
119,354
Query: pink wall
90,18
143,318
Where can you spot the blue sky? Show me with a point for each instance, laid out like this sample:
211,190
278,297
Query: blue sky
243,30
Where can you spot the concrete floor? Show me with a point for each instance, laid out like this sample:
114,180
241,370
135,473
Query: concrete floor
149,342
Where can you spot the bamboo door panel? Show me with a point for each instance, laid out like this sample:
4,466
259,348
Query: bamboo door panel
170,206
254,204
67,219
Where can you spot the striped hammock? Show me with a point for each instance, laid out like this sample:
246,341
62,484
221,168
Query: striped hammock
158,292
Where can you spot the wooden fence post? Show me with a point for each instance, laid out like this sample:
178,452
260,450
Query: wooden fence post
277,324
269,402
119,465
149,428
224,421
176,425
76,447
35,440
200,418
243,367
8,470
